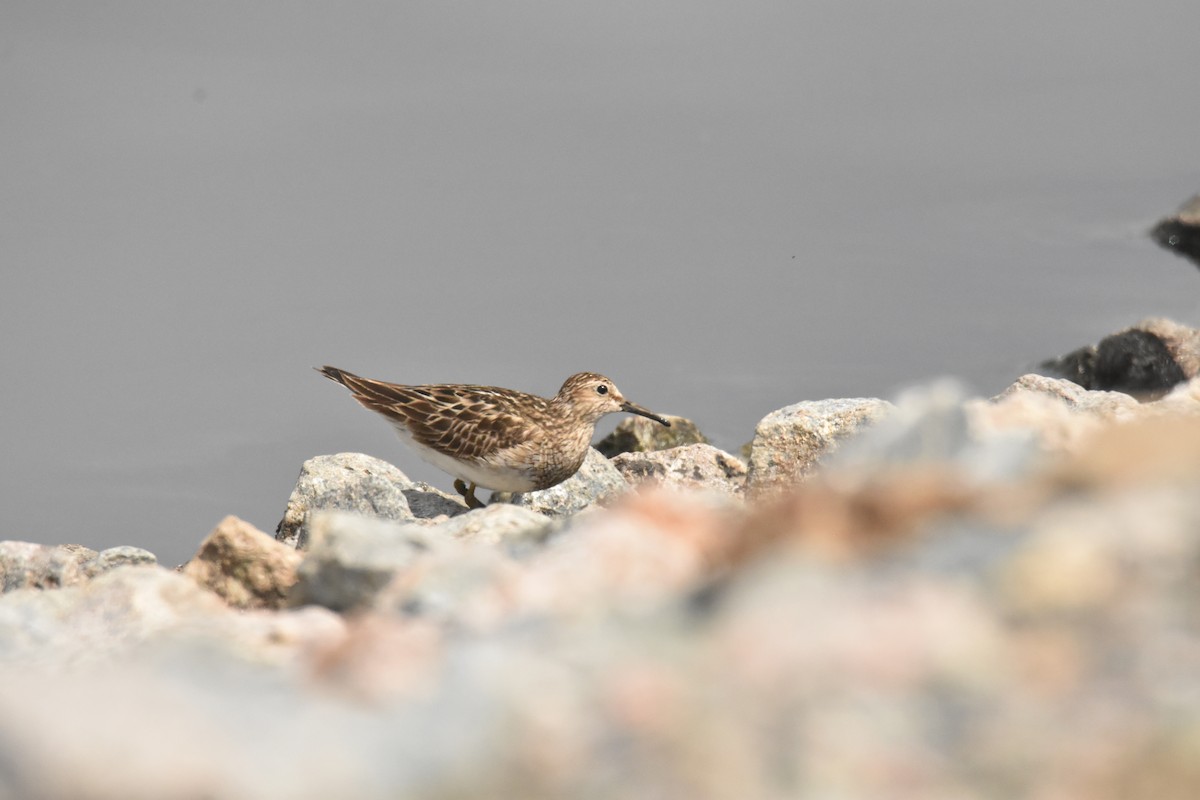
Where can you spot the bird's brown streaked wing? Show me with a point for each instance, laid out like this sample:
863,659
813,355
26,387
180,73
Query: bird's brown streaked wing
460,426
462,421
459,420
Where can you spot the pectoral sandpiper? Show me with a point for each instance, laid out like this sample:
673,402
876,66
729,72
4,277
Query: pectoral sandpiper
491,437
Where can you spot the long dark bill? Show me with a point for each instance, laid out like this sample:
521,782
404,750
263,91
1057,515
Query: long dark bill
634,408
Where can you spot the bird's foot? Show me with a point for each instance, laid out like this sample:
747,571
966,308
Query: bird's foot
467,493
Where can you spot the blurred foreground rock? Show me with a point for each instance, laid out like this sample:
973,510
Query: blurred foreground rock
244,566
25,565
351,558
966,597
144,612
789,443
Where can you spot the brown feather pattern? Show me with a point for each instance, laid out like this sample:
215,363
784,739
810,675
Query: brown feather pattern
460,420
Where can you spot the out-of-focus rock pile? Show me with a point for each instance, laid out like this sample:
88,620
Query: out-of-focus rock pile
940,597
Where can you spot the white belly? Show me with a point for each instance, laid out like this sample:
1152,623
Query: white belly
498,478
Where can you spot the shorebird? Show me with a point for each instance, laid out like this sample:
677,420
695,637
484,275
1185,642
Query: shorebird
494,438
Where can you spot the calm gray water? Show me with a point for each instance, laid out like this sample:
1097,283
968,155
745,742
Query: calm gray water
725,207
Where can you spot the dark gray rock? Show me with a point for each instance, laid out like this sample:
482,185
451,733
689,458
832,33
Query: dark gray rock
1145,361
1136,362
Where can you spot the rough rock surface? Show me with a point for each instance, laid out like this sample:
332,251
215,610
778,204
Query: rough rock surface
244,566
344,482
596,481
789,443
642,435
699,467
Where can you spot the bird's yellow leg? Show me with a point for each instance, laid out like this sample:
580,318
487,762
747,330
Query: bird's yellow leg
467,493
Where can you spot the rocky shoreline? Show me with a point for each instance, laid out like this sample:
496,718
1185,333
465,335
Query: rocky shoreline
934,597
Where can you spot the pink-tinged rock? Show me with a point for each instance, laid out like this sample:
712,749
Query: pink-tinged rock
245,566
1059,414
36,566
646,548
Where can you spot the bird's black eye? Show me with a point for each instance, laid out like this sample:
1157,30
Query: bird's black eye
602,389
